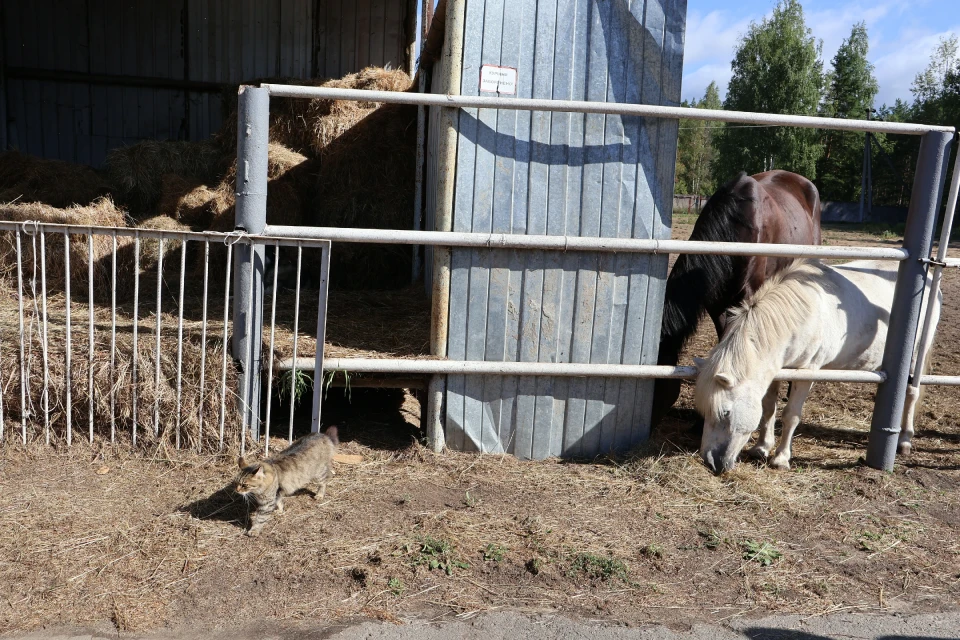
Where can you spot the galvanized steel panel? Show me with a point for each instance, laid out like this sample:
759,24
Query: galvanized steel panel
562,174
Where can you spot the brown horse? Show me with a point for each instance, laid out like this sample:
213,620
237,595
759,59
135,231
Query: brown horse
773,206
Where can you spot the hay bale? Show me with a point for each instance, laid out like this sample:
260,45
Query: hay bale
212,208
136,172
193,404
25,178
367,180
309,126
102,212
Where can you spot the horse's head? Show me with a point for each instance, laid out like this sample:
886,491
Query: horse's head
731,410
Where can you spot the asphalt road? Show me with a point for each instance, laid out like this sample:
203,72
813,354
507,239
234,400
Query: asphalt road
512,626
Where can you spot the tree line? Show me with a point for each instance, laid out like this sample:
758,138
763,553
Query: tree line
777,68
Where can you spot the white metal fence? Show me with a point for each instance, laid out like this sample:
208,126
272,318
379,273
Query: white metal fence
123,332
131,376
914,256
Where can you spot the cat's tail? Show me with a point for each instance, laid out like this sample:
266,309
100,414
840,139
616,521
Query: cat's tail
331,433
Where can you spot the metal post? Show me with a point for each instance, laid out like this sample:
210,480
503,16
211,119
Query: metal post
253,124
451,65
907,298
321,338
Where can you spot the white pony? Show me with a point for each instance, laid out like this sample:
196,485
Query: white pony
808,316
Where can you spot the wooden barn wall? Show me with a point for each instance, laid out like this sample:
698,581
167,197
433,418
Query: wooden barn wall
85,76
562,174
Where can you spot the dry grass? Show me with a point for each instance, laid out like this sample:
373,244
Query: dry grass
101,212
115,380
673,537
54,183
369,325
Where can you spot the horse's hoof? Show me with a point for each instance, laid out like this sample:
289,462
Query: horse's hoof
757,453
904,448
779,464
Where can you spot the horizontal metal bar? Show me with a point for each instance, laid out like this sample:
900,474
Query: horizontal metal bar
30,227
452,367
30,73
319,236
952,262
577,106
574,243
947,381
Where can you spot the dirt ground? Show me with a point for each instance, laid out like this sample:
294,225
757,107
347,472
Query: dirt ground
97,534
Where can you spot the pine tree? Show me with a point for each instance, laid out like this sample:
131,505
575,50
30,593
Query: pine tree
851,89
695,152
776,69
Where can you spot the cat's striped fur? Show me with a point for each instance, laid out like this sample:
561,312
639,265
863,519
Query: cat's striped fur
265,484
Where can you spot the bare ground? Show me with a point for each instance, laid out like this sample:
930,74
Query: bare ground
98,534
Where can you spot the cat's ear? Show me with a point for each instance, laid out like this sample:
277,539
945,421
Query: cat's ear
242,462
259,473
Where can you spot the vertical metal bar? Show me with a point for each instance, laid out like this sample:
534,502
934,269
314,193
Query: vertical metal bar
907,298
226,334
136,325
156,352
23,356
418,183
183,270
321,338
203,341
296,332
113,339
45,398
945,230
91,336
67,405
248,420
273,326
253,123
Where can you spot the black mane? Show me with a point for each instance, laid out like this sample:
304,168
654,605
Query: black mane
699,283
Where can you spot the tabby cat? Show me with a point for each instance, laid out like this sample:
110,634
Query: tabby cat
265,484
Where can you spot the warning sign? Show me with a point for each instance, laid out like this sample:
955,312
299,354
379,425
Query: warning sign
494,79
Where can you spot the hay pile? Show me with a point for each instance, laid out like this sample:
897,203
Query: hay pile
54,183
136,172
331,163
309,126
367,179
203,207
102,212
120,380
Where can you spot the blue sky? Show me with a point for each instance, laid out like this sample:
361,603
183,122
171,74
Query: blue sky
902,37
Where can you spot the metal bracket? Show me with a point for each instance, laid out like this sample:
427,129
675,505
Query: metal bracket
933,262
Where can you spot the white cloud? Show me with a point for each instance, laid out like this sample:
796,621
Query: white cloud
695,83
899,62
712,35
708,48
833,26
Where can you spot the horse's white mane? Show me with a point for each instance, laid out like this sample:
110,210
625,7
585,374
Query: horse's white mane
761,324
